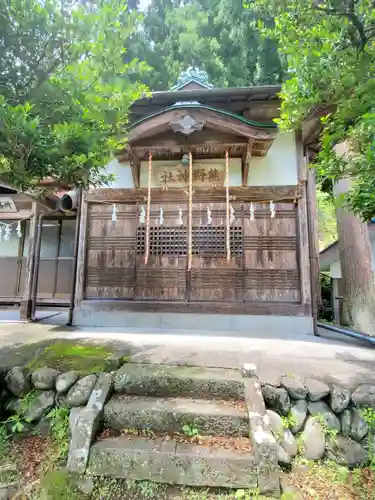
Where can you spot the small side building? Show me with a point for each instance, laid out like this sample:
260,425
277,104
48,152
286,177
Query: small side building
42,272
329,261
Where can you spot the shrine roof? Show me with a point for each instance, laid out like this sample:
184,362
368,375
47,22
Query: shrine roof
197,105
232,99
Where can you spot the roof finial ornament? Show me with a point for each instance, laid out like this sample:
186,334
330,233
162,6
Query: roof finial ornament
193,74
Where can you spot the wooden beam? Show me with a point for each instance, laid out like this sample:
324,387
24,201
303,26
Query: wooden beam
204,138
26,306
212,119
135,165
239,193
81,255
246,159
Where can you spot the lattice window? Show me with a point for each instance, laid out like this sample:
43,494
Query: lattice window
207,241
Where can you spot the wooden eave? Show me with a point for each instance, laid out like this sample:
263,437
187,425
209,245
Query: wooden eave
222,130
259,194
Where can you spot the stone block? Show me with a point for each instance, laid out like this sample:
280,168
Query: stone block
44,378
165,380
17,381
40,404
264,444
73,416
137,458
316,389
277,398
101,393
294,386
171,414
339,398
364,396
80,392
65,381
83,434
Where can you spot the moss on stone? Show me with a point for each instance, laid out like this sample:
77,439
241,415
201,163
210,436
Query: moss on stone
66,355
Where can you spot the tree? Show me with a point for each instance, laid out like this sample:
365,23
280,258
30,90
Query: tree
218,36
65,89
330,50
327,229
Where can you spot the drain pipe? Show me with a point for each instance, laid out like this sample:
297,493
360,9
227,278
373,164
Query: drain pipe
349,333
74,273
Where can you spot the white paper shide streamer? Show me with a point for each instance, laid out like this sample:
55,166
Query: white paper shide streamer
142,215
252,211
180,218
7,232
232,216
272,209
161,218
209,216
114,213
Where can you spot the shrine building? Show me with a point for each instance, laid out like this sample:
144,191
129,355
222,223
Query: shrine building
207,224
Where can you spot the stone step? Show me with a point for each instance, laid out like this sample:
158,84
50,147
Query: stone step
223,418
137,458
168,380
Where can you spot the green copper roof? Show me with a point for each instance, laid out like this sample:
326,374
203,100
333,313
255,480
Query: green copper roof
210,108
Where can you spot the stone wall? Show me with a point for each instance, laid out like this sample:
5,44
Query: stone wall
318,420
32,394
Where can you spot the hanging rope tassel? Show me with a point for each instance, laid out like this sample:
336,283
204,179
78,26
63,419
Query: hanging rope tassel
19,229
147,243
228,205
190,209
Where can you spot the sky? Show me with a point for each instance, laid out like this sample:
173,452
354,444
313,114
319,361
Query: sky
143,4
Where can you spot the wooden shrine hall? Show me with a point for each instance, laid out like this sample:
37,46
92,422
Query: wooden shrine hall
207,214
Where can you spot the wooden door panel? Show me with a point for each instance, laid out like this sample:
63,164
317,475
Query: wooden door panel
270,255
111,252
164,276
213,278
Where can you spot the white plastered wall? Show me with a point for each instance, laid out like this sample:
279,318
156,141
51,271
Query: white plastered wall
278,168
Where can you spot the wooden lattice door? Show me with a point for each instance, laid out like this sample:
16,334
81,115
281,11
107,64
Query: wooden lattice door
213,278
164,275
111,252
270,255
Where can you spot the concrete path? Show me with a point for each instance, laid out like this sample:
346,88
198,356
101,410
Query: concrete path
330,357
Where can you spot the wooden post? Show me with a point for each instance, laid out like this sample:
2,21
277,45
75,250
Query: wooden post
303,229
312,218
25,308
34,288
75,257
81,255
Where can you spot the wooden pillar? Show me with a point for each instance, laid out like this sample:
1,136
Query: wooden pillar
26,305
303,230
81,255
314,246
34,288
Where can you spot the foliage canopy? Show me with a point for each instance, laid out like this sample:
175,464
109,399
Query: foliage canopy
330,50
65,89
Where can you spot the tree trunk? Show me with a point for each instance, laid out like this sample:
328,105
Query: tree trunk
356,267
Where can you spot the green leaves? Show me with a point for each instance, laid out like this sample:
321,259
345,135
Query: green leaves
65,106
330,50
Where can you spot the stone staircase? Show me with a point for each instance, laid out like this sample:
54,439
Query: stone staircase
152,404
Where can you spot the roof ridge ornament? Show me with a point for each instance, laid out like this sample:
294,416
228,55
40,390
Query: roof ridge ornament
193,74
